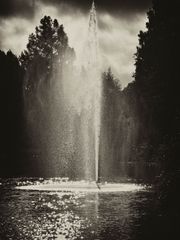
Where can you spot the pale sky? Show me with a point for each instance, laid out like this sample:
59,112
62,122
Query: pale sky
118,29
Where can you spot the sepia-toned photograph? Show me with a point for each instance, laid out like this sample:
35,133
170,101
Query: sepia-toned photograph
89,120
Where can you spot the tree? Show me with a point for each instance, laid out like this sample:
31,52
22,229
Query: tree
47,51
46,59
156,76
11,121
47,56
157,89
49,42
110,137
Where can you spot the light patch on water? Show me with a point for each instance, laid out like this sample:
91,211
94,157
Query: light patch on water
83,187
69,215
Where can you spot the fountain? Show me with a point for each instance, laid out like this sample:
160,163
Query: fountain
92,67
85,111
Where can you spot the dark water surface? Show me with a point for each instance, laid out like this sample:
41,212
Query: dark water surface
67,215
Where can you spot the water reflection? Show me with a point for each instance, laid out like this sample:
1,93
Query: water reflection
68,215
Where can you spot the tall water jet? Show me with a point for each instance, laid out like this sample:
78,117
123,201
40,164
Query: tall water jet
86,102
93,70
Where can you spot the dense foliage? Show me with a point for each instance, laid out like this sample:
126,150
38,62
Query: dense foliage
147,112
157,80
11,120
47,52
156,89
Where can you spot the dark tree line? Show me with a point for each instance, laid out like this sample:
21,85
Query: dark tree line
151,104
153,100
11,120
156,77
157,87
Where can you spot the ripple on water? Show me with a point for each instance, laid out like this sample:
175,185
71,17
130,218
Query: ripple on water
27,214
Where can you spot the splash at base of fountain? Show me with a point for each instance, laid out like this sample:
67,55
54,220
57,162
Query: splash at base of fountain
83,186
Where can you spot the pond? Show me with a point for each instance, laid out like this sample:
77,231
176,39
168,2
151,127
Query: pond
33,214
